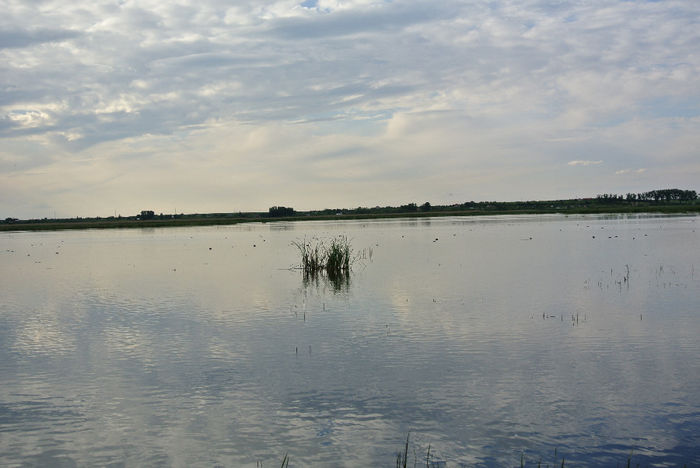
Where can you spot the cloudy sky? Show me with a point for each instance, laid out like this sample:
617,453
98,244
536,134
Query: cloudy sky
209,105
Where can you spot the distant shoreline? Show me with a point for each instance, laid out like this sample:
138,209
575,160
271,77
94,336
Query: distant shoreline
222,220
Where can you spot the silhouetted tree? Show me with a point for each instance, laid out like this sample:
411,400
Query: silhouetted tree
280,211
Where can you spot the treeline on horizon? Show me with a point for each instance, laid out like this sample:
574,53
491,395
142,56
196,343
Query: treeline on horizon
653,198
664,196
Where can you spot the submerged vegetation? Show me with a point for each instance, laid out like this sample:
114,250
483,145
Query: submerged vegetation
429,460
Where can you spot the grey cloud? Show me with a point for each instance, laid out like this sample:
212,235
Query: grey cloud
197,62
93,129
343,23
9,128
16,94
29,37
140,19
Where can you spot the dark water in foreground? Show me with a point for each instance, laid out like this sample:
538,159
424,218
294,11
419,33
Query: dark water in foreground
488,338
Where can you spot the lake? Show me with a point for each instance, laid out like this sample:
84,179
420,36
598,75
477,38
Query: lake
490,340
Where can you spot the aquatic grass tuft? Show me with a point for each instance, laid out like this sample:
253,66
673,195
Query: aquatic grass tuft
312,255
333,258
338,257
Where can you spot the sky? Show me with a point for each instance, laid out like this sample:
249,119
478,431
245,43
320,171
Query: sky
113,107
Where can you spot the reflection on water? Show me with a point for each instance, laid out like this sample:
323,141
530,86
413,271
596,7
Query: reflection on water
488,338
337,282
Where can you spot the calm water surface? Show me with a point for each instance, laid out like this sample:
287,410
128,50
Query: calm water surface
487,338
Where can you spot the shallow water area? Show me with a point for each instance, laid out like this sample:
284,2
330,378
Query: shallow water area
490,339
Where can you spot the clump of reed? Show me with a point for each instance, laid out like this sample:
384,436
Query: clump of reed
333,258
312,256
338,257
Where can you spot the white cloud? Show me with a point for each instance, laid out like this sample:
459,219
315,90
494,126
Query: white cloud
630,171
424,91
